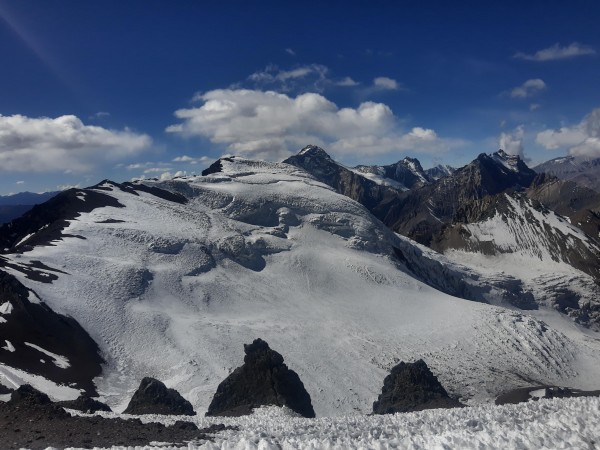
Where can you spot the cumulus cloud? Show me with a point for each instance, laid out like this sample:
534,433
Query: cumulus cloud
512,142
557,52
62,144
270,125
528,89
386,83
582,139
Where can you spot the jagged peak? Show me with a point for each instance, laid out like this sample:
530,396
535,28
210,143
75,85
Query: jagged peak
313,150
412,163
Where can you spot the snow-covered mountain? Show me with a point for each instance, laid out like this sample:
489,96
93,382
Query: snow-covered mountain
516,236
581,170
441,214
403,175
369,191
439,171
171,278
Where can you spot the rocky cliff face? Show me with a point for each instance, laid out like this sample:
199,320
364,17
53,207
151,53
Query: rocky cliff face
320,165
421,213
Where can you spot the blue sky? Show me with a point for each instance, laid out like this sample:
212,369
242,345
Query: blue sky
125,89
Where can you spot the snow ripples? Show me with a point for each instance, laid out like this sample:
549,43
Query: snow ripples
546,424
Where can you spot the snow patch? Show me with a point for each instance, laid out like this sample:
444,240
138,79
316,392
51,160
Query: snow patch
13,378
8,346
59,361
6,308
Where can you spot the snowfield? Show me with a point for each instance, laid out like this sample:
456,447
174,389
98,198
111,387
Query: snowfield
544,424
173,291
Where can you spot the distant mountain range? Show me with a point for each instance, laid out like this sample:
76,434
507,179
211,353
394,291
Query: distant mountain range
581,170
13,206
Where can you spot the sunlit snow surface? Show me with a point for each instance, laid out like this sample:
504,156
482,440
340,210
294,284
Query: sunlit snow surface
263,250
545,424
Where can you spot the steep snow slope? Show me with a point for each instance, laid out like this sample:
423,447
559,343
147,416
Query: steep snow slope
172,290
512,235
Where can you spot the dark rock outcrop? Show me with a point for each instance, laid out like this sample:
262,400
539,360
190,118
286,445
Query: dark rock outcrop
412,387
262,380
86,404
320,165
33,324
27,395
525,394
215,167
153,397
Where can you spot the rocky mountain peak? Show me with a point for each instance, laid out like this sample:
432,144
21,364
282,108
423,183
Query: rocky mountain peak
314,151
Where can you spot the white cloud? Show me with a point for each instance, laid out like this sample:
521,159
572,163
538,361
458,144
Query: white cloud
191,160
347,82
289,51
512,142
270,125
528,89
154,170
534,106
311,76
20,182
386,83
64,187
299,79
582,139
100,115
556,52
169,176
64,143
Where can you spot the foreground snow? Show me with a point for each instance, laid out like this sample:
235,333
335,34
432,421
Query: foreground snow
556,423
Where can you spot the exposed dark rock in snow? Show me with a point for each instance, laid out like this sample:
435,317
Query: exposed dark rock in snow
28,396
157,192
85,404
33,329
262,380
215,167
412,387
536,392
153,397
30,420
45,223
